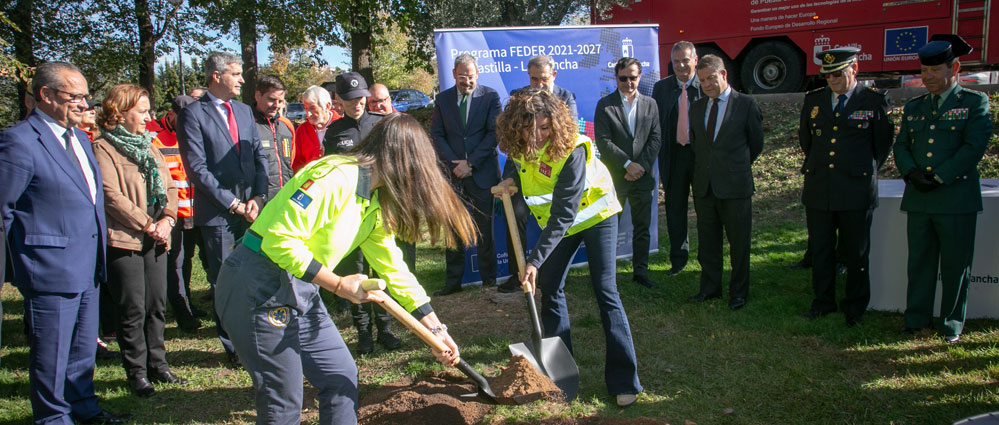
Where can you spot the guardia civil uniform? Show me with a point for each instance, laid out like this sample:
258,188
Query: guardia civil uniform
938,148
574,201
846,138
275,316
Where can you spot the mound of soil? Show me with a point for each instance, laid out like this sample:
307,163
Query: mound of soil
429,401
521,378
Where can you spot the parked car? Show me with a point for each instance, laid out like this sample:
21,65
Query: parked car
406,99
295,112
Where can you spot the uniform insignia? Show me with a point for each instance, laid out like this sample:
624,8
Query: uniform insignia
909,117
307,184
265,143
301,199
278,317
829,58
545,169
815,112
818,132
955,114
861,115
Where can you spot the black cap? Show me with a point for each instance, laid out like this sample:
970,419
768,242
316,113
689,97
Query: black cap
180,102
91,104
351,85
837,59
943,48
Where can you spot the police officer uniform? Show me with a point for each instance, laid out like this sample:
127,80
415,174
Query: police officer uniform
277,136
275,316
342,136
846,138
938,148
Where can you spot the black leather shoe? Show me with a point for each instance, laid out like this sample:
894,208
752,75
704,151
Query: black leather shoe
814,314
389,341
167,377
141,386
188,325
233,360
447,290
488,284
854,321
197,312
910,331
674,271
365,345
105,417
702,297
800,264
644,281
737,303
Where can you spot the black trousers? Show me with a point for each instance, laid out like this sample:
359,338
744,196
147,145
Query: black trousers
182,243
641,220
137,280
855,242
480,205
734,219
677,189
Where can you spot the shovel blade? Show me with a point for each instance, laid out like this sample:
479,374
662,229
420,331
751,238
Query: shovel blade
556,363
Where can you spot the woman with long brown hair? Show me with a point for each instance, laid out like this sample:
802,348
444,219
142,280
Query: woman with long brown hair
268,290
571,194
141,206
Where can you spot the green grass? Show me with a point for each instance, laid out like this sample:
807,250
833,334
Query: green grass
695,361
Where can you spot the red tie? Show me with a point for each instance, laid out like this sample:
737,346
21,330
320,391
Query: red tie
233,130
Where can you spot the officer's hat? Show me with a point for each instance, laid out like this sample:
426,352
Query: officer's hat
943,48
351,85
837,59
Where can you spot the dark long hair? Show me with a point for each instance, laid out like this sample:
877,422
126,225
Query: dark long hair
412,189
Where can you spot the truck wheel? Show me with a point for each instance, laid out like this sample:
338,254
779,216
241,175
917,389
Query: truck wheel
773,67
703,50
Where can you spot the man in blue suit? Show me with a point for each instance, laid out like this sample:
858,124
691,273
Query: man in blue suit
52,205
463,127
220,144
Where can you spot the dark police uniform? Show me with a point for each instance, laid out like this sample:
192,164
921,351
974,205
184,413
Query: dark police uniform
346,133
938,149
843,152
277,139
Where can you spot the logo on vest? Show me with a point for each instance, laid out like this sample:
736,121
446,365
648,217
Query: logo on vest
545,169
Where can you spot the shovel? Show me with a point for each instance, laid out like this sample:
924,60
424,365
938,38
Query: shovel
484,393
549,355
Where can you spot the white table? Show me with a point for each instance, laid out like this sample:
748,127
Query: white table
889,253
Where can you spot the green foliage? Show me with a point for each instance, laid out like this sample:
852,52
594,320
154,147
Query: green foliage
298,69
168,83
390,63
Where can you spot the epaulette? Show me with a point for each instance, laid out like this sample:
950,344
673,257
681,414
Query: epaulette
813,91
876,91
917,98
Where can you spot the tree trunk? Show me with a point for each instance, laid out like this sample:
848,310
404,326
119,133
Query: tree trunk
360,53
147,49
248,43
23,42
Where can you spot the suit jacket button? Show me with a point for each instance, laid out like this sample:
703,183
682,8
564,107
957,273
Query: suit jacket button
930,141
928,168
832,140
933,127
953,128
929,154
832,153
832,165
835,127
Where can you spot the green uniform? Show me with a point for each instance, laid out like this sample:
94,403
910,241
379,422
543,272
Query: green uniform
947,140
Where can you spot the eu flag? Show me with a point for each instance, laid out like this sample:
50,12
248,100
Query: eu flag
904,41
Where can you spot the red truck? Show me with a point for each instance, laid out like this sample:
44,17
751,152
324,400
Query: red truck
769,45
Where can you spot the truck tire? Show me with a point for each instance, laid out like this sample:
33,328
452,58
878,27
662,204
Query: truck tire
772,67
703,50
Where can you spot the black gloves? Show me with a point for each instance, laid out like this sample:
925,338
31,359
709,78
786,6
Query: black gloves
923,182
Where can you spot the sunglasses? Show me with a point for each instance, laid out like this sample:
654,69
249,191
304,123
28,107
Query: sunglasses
836,74
623,78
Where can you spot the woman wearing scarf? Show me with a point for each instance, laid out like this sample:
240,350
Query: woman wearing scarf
141,207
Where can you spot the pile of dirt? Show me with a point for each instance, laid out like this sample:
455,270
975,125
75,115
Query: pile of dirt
598,420
520,378
428,401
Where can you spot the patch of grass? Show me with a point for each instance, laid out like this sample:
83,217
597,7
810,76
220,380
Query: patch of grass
764,362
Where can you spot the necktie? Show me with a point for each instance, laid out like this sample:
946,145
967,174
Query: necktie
683,119
841,104
712,121
462,113
233,130
67,136
935,104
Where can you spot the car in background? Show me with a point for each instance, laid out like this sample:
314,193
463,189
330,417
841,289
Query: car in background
406,99
295,112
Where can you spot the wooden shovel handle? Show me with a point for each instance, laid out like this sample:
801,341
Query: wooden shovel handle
376,286
511,224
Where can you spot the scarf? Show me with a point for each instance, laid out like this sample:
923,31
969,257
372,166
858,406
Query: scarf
136,147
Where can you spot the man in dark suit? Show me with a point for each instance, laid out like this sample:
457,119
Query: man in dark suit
943,137
463,126
726,134
846,135
674,95
221,147
541,74
52,203
626,129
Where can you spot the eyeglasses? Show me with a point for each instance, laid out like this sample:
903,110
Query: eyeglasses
73,98
836,74
623,78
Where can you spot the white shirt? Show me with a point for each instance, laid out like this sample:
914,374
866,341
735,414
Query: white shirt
630,111
81,156
835,97
722,100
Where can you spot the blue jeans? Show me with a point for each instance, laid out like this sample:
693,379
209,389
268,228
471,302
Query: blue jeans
282,331
621,366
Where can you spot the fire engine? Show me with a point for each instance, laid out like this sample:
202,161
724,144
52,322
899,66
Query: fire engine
769,46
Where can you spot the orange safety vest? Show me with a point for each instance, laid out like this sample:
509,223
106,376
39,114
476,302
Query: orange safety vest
166,142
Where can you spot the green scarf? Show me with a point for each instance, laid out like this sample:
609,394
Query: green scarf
136,147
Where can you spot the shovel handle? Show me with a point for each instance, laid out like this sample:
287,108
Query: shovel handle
376,286
511,225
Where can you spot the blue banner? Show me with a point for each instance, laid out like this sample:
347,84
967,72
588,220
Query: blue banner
905,41
584,60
